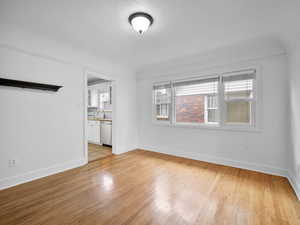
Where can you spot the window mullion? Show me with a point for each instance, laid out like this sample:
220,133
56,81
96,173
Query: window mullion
172,105
221,103
160,109
205,109
254,105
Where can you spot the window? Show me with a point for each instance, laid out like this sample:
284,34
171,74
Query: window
239,98
194,101
228,99
162,101
211,109
162,111
103,98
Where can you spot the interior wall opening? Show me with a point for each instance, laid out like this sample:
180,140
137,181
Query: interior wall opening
99,119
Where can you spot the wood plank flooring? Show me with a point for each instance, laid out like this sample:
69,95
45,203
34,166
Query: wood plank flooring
98,152
146,188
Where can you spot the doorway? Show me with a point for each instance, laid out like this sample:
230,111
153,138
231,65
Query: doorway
98,117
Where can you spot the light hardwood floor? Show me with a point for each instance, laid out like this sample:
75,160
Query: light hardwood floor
145,188
98,152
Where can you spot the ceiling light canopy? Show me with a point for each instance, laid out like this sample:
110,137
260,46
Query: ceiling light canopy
140,21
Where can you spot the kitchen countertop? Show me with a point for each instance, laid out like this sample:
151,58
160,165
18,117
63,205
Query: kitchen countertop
99,119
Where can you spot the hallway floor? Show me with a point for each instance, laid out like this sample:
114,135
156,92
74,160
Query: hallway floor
98,152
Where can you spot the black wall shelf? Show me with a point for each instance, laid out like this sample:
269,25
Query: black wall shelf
30,85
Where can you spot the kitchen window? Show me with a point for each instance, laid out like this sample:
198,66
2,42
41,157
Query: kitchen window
222,100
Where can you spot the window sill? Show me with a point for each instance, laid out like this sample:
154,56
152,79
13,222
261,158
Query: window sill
211,127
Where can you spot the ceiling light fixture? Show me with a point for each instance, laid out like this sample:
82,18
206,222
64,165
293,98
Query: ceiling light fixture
140,21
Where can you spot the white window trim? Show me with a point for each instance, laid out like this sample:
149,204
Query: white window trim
256,112
154,118
206,112
160,109
253,114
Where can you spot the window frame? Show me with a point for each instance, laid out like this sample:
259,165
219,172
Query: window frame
154,118
173,103
207,109
256,101
253,113
160,110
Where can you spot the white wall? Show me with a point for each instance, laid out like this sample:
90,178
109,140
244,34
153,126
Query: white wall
266,150
294,62
44,131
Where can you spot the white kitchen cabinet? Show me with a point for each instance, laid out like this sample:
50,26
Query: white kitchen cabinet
94,132
93,97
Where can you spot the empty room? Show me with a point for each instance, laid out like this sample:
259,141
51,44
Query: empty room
148,112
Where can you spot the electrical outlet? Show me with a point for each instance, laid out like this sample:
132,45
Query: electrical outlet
12,162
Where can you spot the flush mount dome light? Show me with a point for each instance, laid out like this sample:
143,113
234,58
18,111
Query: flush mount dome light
140,21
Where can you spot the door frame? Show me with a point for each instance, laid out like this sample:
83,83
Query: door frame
85,111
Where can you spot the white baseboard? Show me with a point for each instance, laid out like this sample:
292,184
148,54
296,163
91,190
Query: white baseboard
33,175
238,164
123,151
94,142
295,184
228,162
